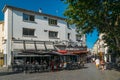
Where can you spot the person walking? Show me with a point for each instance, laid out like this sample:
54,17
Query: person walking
102,62
52,65
97,62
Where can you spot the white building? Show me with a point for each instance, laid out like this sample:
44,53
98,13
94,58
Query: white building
95,48
101,48
1,42
21,24
1,35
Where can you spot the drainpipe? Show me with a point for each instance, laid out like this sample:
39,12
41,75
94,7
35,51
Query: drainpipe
12,42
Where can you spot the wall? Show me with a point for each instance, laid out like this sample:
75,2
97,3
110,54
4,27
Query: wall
8,36
39,25
1,36
14,24
1,43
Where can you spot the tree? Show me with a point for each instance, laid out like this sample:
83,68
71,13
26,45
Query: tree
103,15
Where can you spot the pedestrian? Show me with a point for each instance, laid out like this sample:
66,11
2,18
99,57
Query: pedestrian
93,59
97,62
102,62
52,65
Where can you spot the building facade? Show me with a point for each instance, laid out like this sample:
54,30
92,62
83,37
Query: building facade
1,42
22,25
100,48
95,48
1,36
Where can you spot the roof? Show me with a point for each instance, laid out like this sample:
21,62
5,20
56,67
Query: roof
34,12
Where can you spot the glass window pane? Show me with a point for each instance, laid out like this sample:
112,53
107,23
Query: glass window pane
53,34
52,22
25,17
25,31
28,32
68,35
32,18
31,32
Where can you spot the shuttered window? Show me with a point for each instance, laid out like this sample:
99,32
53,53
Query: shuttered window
28,32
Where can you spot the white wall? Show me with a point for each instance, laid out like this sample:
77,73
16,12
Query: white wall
1,36
14,25
72,33
8,36
40,25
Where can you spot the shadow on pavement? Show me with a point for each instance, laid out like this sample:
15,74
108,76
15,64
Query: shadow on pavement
118,79
112,66
84,67
3,73
8,73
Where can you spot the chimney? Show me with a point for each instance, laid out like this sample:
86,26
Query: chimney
40,10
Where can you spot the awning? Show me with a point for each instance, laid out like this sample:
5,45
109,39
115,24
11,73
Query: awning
30,45
77,51
18,46
29,55
69,54
50,47
52,53
62,51
40,46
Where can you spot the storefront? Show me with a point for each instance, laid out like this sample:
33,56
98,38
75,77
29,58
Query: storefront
30,50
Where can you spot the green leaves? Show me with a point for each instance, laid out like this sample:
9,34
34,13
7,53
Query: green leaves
103,15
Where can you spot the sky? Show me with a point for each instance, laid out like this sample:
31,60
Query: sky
53,7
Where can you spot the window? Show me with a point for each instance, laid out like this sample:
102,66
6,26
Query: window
27,17
28,32
31,18
53,34
52,21
68,26
78,37
68,35
45,17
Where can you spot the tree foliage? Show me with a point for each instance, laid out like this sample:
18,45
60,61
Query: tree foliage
103,15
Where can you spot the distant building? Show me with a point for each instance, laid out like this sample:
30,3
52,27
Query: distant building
95,48
1,35
100,48
26,30
1,42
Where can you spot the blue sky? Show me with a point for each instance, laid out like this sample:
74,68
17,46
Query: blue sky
91,38
53,7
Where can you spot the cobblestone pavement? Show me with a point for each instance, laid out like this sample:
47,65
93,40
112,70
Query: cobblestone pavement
88,73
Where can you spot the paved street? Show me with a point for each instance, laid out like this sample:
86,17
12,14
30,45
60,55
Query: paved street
88,73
